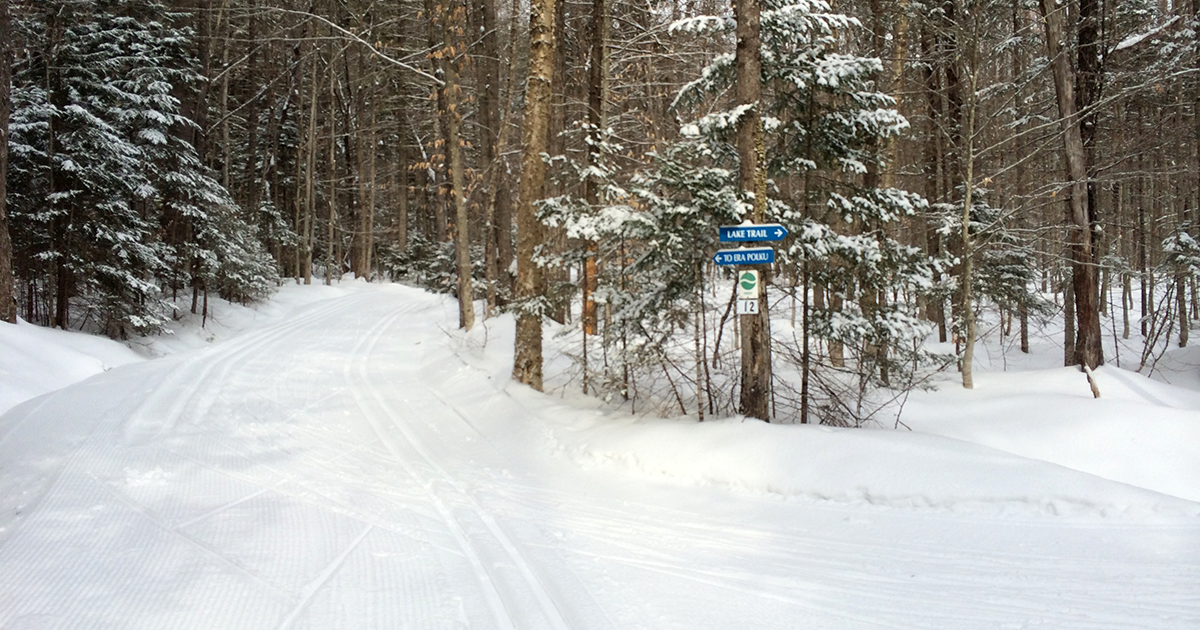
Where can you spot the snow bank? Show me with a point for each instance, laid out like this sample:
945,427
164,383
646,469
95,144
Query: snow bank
1140,432
36,360
878,467
1051,451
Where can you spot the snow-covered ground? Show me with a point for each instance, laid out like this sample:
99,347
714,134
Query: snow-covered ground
343,458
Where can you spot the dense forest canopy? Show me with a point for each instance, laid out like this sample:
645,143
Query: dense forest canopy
940,167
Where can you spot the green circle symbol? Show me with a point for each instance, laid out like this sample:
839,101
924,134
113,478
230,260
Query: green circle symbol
748,281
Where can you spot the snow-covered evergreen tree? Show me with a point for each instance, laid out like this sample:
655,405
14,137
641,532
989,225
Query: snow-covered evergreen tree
106,191
824,122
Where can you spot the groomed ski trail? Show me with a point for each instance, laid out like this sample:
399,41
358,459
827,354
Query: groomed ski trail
335,470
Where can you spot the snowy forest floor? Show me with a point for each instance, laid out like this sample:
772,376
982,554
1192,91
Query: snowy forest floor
341,457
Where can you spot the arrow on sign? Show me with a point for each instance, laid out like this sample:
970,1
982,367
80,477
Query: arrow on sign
750,233
750,256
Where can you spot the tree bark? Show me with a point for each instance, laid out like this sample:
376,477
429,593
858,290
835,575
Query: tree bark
8,302
597,76
527,359
755,391
1088,348
462,235
329,248
401,179
310,186
968,255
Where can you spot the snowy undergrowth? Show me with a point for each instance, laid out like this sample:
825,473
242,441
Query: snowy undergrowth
1029,443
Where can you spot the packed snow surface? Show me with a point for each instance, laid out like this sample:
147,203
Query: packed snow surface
352,461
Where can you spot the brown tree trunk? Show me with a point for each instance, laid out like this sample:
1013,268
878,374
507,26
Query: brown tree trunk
756,329
432,8
968,255
487,78
401,178
596,97
527,359
372,181
462,233
359,242
8,303
935,308
329,248
310,167
505,248
1088,348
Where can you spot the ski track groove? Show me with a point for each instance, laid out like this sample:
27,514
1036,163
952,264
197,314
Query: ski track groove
496,604
310,590
550,609
199,386
342,508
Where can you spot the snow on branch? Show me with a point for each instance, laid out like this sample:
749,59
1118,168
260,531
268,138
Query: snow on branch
702,25
1137,38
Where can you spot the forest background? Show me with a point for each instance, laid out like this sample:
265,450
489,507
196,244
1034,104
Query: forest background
938,164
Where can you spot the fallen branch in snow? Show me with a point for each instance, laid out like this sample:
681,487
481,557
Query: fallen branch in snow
1091,377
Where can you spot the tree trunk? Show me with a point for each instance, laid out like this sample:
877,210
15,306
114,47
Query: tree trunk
372,173
329,248
1088,348
936,308
756,329
310,185
966,280
1069,337
359,242
1181,300
8,302
462,233
487,80
597,76
439,208
401,190
527,359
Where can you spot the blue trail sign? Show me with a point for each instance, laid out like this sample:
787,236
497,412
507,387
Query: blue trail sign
750,256
750,233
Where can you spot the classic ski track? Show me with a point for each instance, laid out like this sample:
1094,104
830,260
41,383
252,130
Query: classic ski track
222,508
722,580
496,603
551,612
972,568
223,357
165,389
345,509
